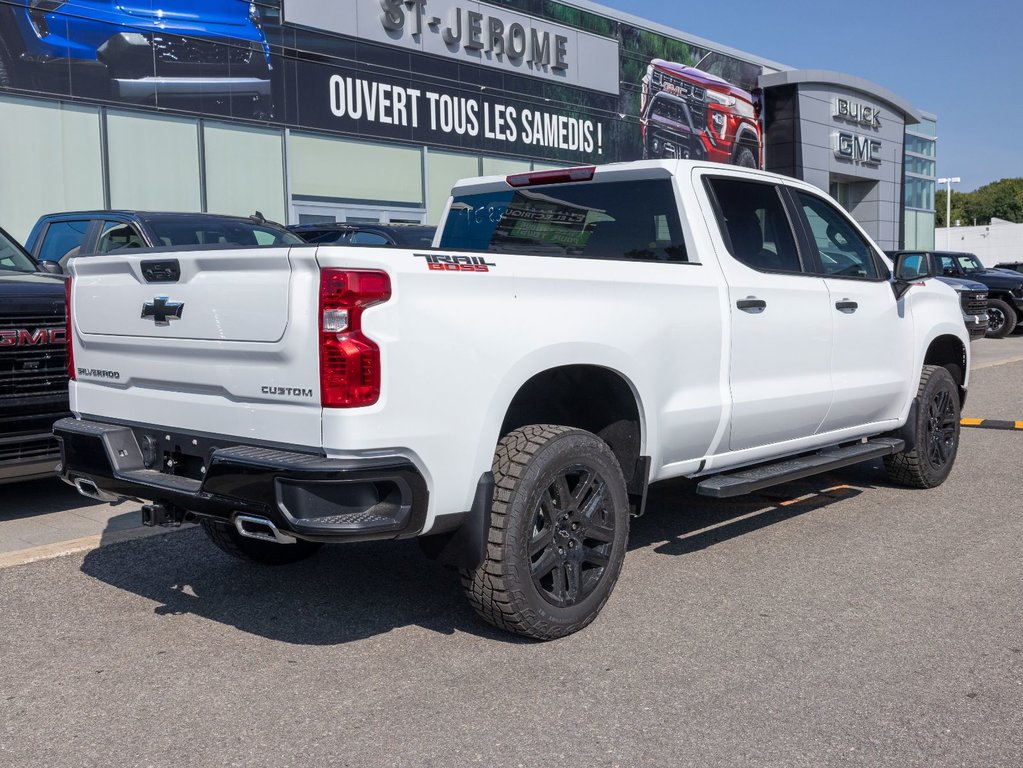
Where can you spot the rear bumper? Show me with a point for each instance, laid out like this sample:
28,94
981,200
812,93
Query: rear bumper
308,496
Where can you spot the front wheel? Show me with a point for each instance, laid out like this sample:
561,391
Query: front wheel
936,430
1001,319
559,527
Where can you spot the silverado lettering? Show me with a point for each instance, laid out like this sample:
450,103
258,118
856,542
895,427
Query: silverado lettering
94,373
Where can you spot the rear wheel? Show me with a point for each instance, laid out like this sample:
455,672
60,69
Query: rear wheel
937,433
559,527
1001,319
227,539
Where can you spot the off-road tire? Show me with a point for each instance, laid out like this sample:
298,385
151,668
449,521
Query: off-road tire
936,430
559,492
745,157
228,540
1009,320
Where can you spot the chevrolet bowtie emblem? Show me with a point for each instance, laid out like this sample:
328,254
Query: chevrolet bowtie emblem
162,311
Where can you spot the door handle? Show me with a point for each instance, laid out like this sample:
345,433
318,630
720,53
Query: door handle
846,306
751,304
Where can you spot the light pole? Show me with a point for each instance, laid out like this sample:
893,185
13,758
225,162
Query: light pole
948,181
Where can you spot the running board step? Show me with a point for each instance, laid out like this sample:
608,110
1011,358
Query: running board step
766,475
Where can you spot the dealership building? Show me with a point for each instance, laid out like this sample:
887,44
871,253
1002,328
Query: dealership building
369,110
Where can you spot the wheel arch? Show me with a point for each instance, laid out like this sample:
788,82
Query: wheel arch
590,397
949,352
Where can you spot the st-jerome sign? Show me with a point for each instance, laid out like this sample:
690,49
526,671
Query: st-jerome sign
472,32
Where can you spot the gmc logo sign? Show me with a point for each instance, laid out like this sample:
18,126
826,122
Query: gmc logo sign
21,337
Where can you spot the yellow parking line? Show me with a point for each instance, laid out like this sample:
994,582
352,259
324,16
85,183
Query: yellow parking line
991,424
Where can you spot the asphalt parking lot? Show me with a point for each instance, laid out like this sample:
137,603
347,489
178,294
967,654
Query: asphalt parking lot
835,621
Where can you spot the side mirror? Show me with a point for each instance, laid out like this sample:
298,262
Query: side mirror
913,267
910,268
51,267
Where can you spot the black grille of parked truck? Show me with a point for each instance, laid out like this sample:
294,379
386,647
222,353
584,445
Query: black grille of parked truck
33,364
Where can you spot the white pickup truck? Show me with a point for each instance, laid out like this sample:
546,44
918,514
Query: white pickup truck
509,394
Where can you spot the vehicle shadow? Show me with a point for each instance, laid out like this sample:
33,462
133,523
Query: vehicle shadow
354,591
38,497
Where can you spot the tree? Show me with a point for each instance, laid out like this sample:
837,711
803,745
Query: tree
1002,199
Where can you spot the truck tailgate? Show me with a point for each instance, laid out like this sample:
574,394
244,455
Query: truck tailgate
206,341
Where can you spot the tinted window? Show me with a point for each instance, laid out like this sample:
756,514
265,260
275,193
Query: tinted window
755,226
604,220
63,239
338,236
948,265
118,235
416,237
184,230
369,238
843,251
12,259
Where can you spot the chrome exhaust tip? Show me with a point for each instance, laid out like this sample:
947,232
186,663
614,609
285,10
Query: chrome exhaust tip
261,528
88,489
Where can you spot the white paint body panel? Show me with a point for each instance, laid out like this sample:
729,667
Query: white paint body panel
456,347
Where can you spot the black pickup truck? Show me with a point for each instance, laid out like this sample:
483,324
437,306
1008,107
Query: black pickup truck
1005,288
33,364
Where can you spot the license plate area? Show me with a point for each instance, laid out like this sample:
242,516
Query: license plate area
176,453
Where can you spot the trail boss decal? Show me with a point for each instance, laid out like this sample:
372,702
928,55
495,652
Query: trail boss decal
439,263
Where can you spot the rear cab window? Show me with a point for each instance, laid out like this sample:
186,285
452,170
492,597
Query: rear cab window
754,225
632,220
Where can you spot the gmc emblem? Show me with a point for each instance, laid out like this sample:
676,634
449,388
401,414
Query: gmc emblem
22,337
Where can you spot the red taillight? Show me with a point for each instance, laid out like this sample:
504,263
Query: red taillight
349,362
559,176
67,330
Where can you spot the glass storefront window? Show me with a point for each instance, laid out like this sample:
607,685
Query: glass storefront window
919,193
154,162
244,171
51,161
339,169
920,145
924,128
920,165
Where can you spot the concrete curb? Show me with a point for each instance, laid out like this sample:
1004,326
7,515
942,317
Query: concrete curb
74,546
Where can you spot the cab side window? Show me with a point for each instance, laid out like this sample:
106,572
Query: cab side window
117,235
843,251
63,240
755,226
369,238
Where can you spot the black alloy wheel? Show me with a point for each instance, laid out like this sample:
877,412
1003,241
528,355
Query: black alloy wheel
558,532
996,320
941,428
1001,319
573,530
934,427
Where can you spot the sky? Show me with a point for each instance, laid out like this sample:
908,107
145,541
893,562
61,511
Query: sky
959,61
